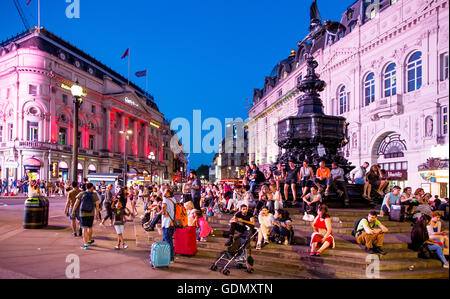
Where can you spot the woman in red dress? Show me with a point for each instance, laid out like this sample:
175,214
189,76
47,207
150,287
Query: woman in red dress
322,237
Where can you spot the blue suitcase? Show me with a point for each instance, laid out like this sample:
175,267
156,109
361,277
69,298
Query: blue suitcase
160,255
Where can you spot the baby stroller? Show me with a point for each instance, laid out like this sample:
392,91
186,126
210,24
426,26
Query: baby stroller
238,252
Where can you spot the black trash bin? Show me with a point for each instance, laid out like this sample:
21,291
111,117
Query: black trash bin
33,215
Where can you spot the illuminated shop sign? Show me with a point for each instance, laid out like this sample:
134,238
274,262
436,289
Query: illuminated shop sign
67,87
130,102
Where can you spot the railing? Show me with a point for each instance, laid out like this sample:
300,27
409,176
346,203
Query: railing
386,107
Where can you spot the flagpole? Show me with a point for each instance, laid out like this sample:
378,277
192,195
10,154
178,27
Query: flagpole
39,14
129,52
146,83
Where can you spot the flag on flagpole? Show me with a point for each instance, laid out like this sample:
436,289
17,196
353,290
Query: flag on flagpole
141,73
28,3
127,52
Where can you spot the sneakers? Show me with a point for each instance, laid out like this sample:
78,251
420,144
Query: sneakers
124,246
286,242
445,265
369,250
85,247
91,242
74,234
117,247
80,232
101,224
379,250
258,246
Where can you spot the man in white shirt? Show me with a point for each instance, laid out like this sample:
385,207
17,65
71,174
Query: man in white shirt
167,215
358,175
337,181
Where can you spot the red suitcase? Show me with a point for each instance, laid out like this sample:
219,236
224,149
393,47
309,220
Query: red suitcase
185,241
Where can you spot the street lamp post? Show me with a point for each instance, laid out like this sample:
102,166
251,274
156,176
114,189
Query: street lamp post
77,92
151,157
125,167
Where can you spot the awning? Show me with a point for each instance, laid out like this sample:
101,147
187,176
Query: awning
32,162
63,165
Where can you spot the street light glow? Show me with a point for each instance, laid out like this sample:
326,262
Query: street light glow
77,90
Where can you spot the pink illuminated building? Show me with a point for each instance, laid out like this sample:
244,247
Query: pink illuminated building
37,70
388,74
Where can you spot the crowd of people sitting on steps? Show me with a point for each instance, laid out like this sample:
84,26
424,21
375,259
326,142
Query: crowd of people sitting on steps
259,204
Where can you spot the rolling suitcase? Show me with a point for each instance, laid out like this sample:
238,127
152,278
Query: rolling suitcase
397,213
185,241
160,255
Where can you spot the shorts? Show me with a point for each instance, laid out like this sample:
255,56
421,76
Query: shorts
119,229
290,182
77,215
359,181
87,221
306,183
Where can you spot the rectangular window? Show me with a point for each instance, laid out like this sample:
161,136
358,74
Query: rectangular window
33,130
10,132
93,110
444,66
62,136
1,133
32,89
64,99
444,121
91,142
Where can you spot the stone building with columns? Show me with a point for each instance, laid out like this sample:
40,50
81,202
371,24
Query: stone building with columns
37,70
387,73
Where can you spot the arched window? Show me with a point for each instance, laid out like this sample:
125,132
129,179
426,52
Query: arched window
390,81
369,89
414,71
343,100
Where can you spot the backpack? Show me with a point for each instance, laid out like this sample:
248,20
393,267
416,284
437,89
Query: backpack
181,217
355,226
87,202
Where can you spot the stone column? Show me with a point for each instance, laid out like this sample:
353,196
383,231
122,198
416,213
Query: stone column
135,149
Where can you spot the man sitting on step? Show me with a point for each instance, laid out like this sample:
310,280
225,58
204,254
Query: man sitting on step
370,232
240,222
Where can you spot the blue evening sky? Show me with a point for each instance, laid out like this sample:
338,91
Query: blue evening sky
200,54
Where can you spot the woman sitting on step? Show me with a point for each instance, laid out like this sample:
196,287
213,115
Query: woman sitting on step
322,237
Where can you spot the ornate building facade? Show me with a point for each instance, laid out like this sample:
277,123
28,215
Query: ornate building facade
37,70
387,73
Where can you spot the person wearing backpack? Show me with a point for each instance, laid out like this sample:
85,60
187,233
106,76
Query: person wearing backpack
370,232
88,202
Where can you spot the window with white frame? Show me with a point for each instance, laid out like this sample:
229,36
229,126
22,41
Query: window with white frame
414,72
444,66
390,81
33,131
444,121
1,133
343,100
369,89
